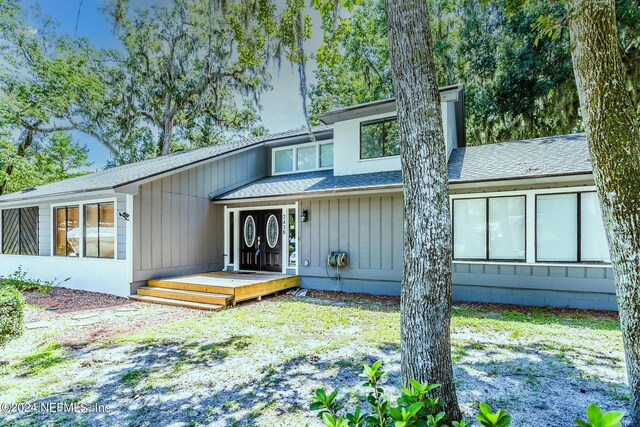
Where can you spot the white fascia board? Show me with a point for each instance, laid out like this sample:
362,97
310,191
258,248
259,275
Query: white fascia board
58,198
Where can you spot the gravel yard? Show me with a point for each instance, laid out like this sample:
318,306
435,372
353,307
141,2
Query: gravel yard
259,363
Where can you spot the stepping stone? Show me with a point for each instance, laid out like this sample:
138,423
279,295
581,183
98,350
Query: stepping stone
37,325
87,322
84,316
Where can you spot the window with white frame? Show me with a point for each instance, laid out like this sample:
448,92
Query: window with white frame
302,158
490,229
569,228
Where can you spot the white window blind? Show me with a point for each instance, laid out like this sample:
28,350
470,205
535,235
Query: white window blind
593,240
507,228
557,227
470,229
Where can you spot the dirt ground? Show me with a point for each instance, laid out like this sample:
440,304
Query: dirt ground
259,364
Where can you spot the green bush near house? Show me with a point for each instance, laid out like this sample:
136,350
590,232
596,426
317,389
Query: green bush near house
11,314
21,282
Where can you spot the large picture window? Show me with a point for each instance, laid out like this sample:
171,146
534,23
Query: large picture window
20,231
302,158
99,230
67,231
569,228
379,138
490,229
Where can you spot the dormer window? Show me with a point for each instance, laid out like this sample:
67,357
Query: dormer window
379,138
302,158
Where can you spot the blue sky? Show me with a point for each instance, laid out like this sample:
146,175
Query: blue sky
282,108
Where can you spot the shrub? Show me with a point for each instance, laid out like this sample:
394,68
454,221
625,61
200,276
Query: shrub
414,408
20,281
598,419
11,314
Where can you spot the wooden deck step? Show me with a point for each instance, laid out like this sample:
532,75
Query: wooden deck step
186,295
173,284
177,303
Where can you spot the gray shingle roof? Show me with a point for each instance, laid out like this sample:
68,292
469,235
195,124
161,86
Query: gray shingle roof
118,176
552,156
313,182
555,155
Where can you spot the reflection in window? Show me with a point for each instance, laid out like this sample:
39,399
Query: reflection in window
283,161
379,139
326,155
67,231
291,234
306,158
99,230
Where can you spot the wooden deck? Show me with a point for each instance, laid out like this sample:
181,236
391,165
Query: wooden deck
214,290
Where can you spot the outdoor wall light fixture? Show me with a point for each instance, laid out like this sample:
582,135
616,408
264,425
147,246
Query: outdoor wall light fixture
124,215
305,216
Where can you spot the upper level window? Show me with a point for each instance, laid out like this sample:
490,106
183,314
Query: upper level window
569,228
99,230
67,231
379,138
301,158
20,231
489,228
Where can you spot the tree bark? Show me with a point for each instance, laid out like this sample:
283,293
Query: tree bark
614,142
425,318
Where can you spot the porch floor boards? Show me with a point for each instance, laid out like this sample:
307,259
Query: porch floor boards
214,290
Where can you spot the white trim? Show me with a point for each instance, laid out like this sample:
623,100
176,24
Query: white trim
80,204
129,234
54,197
294,149
530,225
236,232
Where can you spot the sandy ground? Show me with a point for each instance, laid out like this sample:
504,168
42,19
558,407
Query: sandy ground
259,364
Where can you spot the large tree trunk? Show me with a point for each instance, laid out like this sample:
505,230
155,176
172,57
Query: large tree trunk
614,141
426,280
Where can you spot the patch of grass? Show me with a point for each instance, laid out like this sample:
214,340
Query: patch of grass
42,359
133,377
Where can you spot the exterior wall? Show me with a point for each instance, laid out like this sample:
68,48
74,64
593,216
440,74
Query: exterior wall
89,274
370,229
177,230
347,143
76,273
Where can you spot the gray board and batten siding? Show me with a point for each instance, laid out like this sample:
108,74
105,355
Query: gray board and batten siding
177,230
370,229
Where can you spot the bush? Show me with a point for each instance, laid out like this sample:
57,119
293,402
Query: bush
11,314
20,281
415,407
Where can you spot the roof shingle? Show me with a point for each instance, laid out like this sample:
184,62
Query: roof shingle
125,174
551,156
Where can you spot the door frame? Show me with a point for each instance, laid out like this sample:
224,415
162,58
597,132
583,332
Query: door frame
236,235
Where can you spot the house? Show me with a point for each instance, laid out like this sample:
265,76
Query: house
527,227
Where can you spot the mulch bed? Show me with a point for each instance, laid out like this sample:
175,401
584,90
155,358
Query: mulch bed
65,300
385,300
